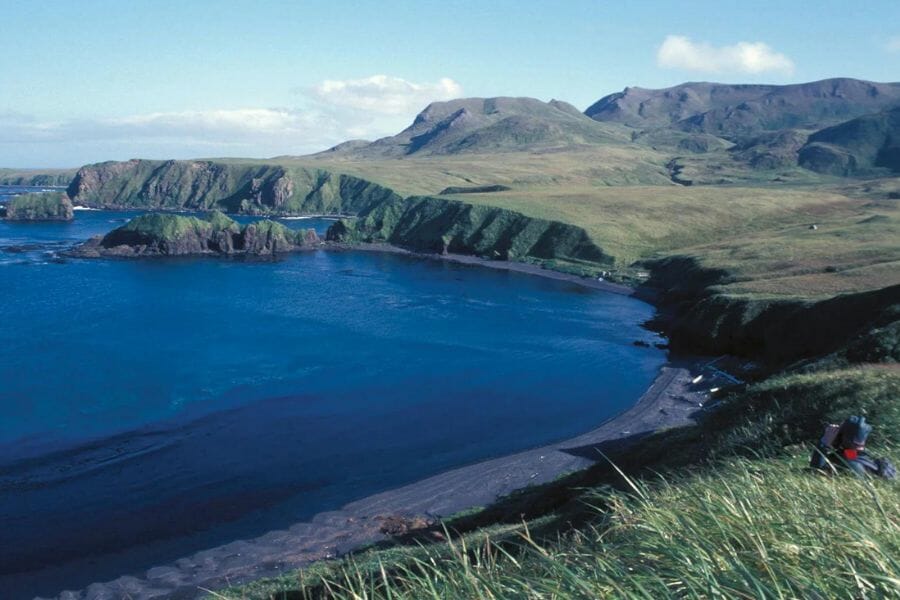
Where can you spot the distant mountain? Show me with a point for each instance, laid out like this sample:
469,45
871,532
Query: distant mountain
741,111
488,125
859,146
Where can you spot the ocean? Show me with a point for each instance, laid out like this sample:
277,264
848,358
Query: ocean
153,408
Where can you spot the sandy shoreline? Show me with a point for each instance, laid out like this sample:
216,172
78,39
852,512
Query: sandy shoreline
670,401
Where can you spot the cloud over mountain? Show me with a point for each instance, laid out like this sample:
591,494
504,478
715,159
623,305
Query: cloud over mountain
384,94
680,52
327,113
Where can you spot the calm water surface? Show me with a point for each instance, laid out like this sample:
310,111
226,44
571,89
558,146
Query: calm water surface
150,409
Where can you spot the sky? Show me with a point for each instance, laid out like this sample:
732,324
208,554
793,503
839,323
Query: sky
96,80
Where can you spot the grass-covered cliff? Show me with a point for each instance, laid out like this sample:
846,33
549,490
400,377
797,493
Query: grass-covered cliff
249,187
449,226
47,206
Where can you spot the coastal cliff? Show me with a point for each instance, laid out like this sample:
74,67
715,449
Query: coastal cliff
247,188
50,206
776,331
176,235
428,224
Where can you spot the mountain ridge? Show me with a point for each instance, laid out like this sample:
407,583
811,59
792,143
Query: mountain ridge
736,110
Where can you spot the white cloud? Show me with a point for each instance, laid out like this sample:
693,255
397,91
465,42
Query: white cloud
213,126
384,94
893,45
680,52
329,113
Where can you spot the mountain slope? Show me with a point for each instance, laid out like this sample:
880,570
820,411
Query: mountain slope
738,111
855,147
471,125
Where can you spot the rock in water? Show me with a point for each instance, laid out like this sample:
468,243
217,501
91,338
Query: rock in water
49,206
159,234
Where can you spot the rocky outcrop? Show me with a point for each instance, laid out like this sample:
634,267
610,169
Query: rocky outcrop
159,234
48,206
236,187
430,224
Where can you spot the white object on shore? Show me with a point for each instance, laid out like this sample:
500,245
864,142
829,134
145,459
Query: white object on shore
697,379
84,208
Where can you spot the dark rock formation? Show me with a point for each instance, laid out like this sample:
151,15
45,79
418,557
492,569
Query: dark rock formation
159,234
47,206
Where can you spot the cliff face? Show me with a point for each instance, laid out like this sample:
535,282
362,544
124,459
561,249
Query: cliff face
175,235
232,187
48,206
439,225
776,331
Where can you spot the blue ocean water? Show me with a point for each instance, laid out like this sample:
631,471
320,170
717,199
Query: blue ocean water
183,403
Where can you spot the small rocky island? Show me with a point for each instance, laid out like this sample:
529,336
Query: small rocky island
160,234
47,206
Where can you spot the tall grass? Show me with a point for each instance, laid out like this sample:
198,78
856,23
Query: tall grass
747,529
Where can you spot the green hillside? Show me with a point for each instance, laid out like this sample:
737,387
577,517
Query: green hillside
865,145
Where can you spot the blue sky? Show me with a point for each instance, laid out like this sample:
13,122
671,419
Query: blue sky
101,80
